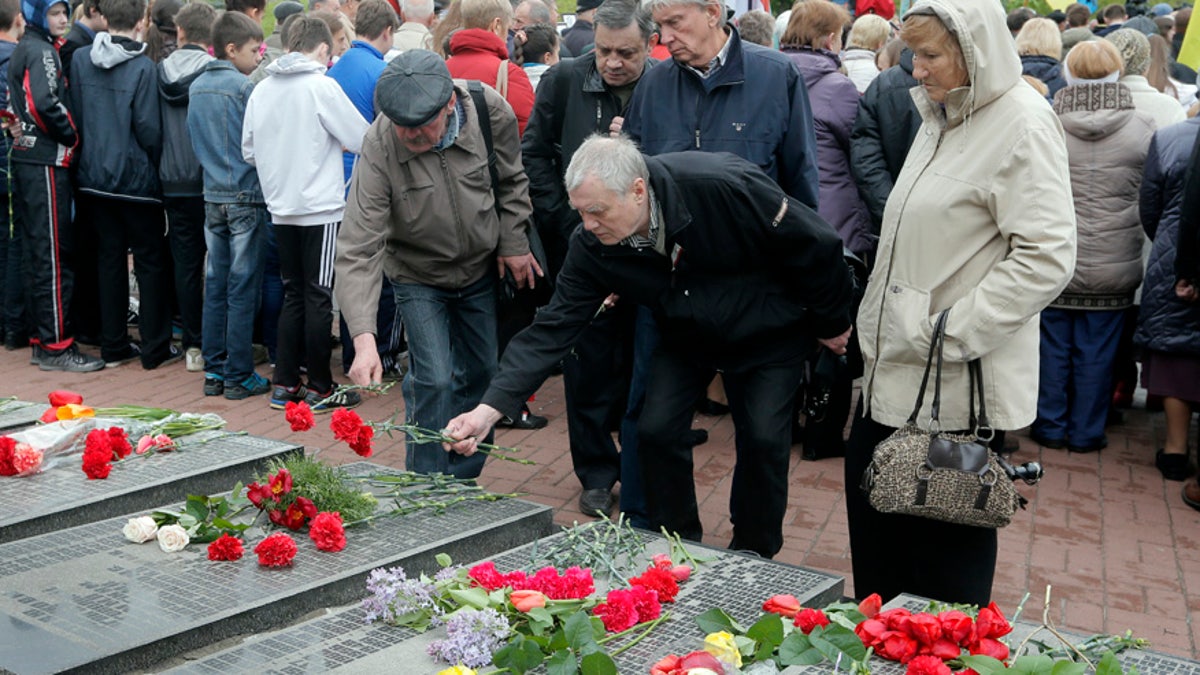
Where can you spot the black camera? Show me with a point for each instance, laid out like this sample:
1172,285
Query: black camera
1030,472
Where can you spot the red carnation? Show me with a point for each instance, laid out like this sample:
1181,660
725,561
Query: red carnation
361,444
6,456
327,532
927,665
97,454
118,440
276,550
577,583
281,484
660,581
226,547
618,612
645,602
486,575
808,619
299,415
345,424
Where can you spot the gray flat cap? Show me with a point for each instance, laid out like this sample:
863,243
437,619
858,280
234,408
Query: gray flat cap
285,9
413,88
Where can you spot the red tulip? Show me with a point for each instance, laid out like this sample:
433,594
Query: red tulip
871,605
783,605
524,601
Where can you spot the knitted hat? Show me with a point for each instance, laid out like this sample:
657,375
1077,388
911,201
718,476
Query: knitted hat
1142,24
414,88
1073,36
1134,48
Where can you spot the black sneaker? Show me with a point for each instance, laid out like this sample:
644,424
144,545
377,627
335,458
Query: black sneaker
322,403
69,360
173,354
132,353
214,385
13,342
282,395
255,385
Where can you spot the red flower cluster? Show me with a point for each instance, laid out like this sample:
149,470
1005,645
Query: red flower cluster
807,619
623,609
659,580
900,635
59,398
276,550
682,665
292,512
299,415
327,532
928,665
572,584
102,447
7,445
295,515
225,547
680,572
349,427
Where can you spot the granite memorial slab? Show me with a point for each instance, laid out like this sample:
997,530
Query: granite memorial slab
1148,662
15,414
86,600
340,641
62,496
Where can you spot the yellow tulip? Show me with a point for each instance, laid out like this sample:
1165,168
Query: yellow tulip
73,411
723,646
457,670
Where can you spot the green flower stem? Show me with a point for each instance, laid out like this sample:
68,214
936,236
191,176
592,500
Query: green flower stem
422,435
644,627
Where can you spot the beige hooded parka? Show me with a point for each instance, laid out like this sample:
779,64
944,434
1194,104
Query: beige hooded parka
980,221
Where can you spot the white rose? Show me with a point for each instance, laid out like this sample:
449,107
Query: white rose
172,538
140,530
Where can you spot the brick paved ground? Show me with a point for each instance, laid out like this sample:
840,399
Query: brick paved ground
1115,541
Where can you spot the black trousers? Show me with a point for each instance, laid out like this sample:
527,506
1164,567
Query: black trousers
595,385
85,300
761,399
893,554
15,322
185,233
42,202
306,262
126,226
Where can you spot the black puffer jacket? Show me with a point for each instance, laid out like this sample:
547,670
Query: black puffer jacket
884,130
1046,69
178,169
1166,323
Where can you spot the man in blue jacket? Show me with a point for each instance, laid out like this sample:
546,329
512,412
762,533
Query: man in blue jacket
739,275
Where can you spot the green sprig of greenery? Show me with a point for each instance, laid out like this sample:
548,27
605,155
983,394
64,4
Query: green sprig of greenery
330,488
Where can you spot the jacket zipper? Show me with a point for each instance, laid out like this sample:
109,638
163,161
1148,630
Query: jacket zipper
458,223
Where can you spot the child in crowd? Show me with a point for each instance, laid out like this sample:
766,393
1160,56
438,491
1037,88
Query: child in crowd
180,173
13,321
299,160
235,223
114,97
41,182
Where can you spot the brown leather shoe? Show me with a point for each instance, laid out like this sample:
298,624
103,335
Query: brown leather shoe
1191,493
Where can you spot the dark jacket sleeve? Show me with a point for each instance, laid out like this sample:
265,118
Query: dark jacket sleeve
47,102
542,157
798,154
1151,198
147,118
867,162
1187,256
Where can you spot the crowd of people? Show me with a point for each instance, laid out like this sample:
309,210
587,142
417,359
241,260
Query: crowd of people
676,208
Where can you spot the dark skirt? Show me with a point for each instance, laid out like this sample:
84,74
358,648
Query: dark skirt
1173,375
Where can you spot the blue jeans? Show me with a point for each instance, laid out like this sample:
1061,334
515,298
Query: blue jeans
234,234
1077,352
633,493
452,352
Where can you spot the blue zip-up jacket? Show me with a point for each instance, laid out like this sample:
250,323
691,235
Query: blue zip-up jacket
214,120
356,73
755,106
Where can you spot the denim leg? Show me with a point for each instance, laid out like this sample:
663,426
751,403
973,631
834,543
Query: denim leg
246,234
219,242
428,385
473,350
1096,338
633,494
1054,375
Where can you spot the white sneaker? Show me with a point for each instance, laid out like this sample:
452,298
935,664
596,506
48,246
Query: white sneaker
193,359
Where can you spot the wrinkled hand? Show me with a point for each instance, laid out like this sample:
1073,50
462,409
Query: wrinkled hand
469,427
1184,290
367,369
524,268
614,127
838,344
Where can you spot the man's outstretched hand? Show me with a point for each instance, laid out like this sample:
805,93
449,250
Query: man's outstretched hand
469,427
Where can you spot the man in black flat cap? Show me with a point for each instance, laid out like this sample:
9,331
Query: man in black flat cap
423,212
581,35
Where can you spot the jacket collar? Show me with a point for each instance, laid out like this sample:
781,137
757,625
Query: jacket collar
732,72
469,138
593,81
367,46
676,215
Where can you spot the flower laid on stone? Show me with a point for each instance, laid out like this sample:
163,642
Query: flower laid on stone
18,459
300,487
623,609
101,448
349,427
225,548
456,670
299,415
900,635
696,663
172,538
156,443
571,584
65,405
472,637
277,550
140,530
327,532
723,647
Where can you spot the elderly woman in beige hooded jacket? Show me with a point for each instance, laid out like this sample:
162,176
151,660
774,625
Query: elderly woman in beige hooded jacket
980,222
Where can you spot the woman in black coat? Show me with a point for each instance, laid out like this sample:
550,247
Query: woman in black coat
1040,46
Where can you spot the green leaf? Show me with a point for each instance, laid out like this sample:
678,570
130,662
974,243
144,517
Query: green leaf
442,559
1068,668
519,655
188,521
471,597
767,631
598,663
578,630
845,640
540,620
562,663
197,507
984,665
1109,665
797,650
716,620
558,641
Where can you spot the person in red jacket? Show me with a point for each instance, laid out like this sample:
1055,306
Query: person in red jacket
478,51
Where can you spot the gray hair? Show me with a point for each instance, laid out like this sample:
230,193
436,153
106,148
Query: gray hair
616,162
416,10
538,11
620,14
649,6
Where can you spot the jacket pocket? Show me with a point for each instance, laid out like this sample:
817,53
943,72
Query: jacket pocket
417,202
904,327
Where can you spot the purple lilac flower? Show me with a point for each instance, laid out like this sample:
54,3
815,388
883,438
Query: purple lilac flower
472,636
393,595
447,573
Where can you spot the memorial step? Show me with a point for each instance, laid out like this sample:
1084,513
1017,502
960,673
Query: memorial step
340,641
84,599
17,414
63,497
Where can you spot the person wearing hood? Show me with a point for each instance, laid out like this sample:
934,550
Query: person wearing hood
13,319
180,173
478,52
1039,44
83,32
299,161
114,96
40,160
1107,141
981,223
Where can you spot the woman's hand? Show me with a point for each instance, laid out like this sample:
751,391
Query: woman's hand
838,344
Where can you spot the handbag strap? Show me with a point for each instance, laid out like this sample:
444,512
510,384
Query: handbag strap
980,422
935,345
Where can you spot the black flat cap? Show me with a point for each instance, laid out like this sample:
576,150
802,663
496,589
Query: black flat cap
285,9
413,88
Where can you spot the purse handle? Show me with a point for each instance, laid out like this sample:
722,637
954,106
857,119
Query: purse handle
937,344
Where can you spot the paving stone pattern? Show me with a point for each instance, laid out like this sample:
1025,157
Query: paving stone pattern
84,599
62,496
17,414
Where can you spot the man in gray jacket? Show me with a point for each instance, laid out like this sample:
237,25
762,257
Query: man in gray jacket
423,211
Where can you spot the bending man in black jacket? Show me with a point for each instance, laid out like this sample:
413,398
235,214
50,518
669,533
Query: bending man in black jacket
740,277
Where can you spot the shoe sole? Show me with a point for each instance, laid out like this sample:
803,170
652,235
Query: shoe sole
214,392
1189,502
241,395
63,369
